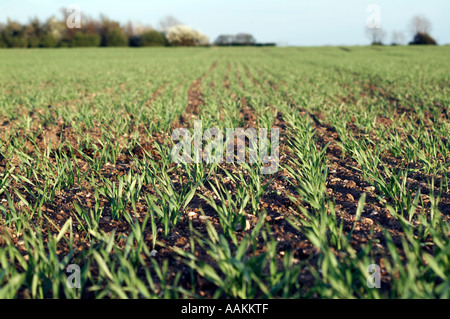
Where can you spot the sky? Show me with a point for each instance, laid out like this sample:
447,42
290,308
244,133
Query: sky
285,22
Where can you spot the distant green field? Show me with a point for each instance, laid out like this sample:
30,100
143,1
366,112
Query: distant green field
358,208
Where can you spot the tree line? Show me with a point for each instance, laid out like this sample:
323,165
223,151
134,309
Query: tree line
419,27
102,32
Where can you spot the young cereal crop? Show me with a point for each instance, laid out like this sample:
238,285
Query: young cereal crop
358,206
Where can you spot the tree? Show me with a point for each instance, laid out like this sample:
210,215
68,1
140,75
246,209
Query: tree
111,33
238,39
2,40
224,39
128,29
48,41
13,35
116,38
168,22
244,39
33,32
420,28
139,29
376,35
423,38
85,40
152,38
55,28
135,31
182,35
44,35
419,24
398,38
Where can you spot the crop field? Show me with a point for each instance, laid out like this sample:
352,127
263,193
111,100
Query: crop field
92,205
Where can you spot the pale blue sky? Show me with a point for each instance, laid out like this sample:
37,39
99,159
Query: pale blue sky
291,22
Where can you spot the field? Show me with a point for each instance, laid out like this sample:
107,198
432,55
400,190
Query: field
361,196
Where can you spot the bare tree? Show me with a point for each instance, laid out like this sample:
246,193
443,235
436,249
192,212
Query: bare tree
376,35
398,38
420,25
129,29
167,22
